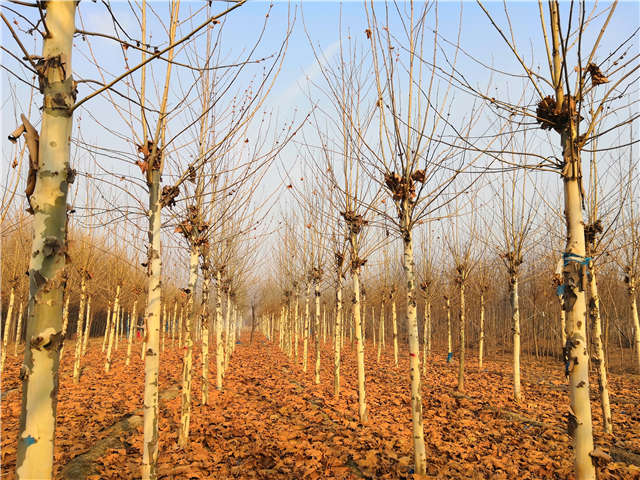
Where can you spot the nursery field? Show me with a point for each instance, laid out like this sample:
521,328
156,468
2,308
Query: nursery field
272,422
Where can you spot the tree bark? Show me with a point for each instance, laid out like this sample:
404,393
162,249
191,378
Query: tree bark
187,364
577,365
362,394
598,357
49,246
87,327
114,329
381,334
414,351
337,338
481,342
427,332
18,330
150,348
317,330
218,325
635,320
461,359
133,322
394,324
305,330
204,320
515,325
449,341
79,328
7,329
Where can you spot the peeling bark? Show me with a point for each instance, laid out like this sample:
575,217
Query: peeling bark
49,204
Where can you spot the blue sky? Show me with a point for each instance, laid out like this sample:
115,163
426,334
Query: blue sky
241,27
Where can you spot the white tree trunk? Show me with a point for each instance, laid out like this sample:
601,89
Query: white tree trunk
381,327
598,357
462,338
427,332
133,322
635,321
337,338
305,332
87,328
18,330
150,347
113,331
218,325
204,319
394,324
107,329
481,343
362,395
79,328
7,330
515,324
187,365
227,317
317,331
414,353
580,424
49,203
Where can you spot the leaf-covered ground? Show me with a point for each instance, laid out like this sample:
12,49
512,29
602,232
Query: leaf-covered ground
272,422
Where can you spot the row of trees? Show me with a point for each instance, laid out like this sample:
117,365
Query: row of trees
400,144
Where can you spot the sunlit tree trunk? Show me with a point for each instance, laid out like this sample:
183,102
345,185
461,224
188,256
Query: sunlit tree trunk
79,328
113,332
152,333
218,325
87,327
204,318
481,341
7,329
174,322
305,331
598,357
515,325
65,320
180,327
296,324
133,322
362,395
227,318
163,326
394,324
461,359
18,338
324,324
381,327
49,246
107,329
427,332
317,329
337,337
580,425
634,319
414,346
449,341
187,364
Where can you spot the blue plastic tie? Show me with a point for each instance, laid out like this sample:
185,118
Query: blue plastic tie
574,257
449,356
